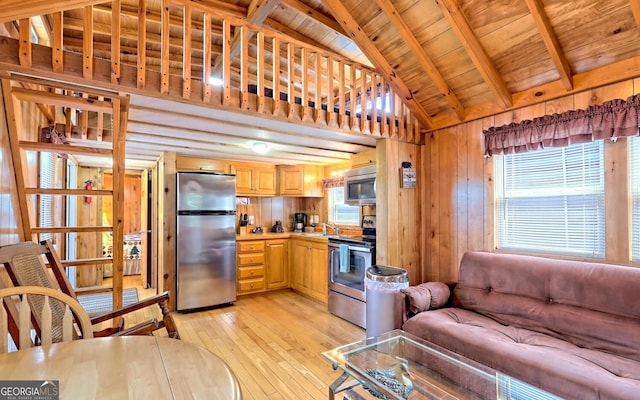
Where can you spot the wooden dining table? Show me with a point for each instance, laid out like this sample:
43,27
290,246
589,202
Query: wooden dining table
127,367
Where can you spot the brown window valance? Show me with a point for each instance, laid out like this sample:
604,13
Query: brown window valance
609,120
333,182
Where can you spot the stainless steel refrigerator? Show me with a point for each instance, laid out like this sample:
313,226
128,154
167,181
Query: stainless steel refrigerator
206,242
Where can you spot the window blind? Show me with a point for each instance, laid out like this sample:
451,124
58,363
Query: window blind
340,213
552,201
47,201
634,187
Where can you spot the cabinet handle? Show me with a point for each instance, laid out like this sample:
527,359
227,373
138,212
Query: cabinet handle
251,285
251,259
251,273
252,248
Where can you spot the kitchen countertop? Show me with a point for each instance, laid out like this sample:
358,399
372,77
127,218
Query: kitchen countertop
286,235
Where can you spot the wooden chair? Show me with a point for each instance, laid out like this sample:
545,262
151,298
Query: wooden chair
25,267
54,311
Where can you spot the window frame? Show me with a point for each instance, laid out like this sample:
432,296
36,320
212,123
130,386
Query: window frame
566,195
331,203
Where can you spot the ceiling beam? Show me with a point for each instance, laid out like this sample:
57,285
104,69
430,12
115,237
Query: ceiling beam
551,42
317,16
357,34
454,15
13,10
425,61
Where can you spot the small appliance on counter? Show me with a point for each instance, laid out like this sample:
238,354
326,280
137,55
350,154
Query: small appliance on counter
277,228
299,222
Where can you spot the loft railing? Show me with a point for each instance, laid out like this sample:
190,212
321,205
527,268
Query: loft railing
179,50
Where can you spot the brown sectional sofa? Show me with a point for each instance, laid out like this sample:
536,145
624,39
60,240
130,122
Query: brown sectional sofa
569,327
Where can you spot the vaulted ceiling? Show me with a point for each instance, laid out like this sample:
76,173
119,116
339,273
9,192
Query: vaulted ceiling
450,60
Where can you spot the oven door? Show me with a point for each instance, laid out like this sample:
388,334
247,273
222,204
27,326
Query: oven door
349,280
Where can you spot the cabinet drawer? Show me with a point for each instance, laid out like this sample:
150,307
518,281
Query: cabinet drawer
250,246
251,285
250,259
251,272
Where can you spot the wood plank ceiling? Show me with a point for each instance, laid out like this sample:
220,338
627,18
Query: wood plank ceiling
450,61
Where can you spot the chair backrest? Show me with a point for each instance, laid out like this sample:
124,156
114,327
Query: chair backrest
25,266
16,308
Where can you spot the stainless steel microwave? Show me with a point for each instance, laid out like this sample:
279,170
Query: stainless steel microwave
360,186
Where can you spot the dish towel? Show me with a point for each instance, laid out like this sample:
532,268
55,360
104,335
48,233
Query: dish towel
344,258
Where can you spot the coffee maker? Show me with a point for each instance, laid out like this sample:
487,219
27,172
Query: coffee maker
299,222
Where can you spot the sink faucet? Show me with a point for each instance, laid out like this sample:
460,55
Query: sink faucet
332,226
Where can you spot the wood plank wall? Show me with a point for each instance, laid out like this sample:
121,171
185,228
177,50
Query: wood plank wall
458,195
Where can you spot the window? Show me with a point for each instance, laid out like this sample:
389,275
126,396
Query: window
340,213
634,189
552,201
47,201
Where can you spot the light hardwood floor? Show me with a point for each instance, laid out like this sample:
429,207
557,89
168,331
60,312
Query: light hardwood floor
273,342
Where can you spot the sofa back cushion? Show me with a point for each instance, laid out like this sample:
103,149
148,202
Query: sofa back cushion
591,305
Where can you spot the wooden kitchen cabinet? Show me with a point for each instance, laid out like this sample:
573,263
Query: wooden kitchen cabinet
201,165
255,180
276,264
309,268
300,180
363,159
250,266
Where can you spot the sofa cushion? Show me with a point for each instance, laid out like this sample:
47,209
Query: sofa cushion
427,296
542,360
590,305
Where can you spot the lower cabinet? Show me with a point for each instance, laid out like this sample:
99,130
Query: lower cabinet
250,265
262,265
309,268
276,264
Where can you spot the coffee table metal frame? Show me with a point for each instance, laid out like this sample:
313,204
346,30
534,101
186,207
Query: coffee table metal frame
369,362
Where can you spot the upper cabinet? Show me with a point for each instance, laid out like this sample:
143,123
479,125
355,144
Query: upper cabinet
300,180
201,164
255,180
363,159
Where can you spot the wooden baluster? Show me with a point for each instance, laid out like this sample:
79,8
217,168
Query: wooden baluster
331,115
353,99
409,125
226,61
186,53
206,67
100,121
260,71
364,102
142,44
393,118
342,113
375,130
57,58
244,67
317,103
84,120
45,322
4,328
164,47
276,75
87,46
291,75
401,130
304,75
384,101
115,41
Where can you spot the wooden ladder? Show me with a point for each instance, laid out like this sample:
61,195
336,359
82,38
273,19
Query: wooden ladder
55,100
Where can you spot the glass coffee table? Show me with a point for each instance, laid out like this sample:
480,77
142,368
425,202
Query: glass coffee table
398,365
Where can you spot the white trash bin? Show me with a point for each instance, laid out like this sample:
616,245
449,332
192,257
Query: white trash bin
381,283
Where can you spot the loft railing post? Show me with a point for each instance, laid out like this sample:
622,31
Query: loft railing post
186,52
276,76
